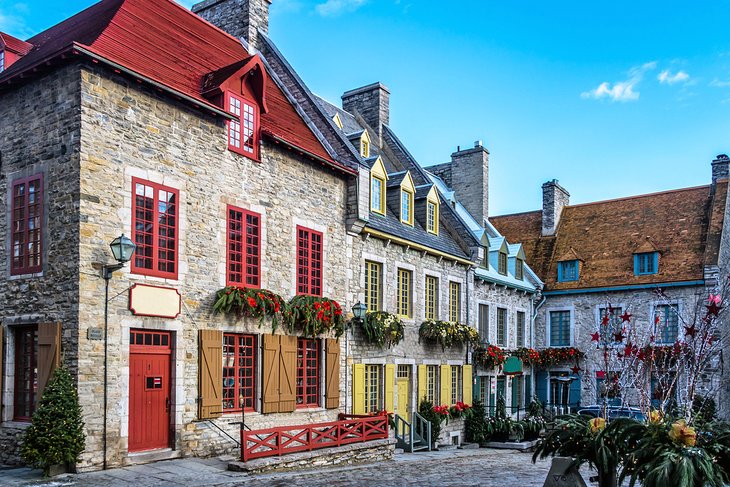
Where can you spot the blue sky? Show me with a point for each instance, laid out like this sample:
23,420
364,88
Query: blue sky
612,99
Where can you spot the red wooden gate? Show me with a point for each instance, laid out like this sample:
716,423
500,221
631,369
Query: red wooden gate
149,390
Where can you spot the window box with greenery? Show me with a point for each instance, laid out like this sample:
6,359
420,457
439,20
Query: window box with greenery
500,427
314,315
556,355
489,357
383,329
448,334
256,303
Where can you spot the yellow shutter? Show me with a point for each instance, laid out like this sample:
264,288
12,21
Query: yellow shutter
49,353
332,374
467,380
445,384
210,374
358,389
389,387
287,374
422,384
270,362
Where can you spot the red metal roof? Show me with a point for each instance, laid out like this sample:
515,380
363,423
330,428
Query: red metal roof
14,44
168,44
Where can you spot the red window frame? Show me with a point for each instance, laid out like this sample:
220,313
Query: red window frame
26,244
155,234
26,372
243,240
308,366
242,133
239,372
309,261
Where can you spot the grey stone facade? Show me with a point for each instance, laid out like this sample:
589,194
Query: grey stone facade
470,179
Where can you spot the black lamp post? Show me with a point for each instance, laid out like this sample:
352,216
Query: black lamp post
359,310
122,249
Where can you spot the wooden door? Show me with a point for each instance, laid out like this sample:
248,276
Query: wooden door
404,391
149,390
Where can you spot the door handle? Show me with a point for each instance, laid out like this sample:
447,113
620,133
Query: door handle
167,404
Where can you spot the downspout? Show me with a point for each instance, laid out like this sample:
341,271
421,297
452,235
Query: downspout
535,309
468,308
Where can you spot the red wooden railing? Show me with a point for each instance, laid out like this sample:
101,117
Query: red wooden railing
290,439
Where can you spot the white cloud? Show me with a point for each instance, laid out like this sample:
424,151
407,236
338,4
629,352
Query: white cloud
331,8
719,83
667,77
621,90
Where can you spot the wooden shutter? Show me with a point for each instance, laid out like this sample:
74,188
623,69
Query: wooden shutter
270,362
49,353
389,387
358,389
332,374
287,374
422,384
445,384
467,381
210,371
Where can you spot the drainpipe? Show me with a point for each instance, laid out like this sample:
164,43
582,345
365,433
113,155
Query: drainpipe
535,309
468,307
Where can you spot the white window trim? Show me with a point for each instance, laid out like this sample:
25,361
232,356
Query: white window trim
570,309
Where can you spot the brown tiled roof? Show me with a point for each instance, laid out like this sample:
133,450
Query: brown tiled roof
683,225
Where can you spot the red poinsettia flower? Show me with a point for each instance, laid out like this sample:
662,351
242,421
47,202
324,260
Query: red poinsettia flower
252,302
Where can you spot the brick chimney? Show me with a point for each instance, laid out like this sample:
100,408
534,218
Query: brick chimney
240,18
720,168
470,180
372,102
554,199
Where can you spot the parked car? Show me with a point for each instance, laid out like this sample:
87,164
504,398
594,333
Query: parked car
613,412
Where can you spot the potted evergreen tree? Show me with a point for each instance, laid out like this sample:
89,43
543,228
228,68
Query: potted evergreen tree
55,438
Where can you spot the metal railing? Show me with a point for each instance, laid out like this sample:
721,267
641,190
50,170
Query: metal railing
420,430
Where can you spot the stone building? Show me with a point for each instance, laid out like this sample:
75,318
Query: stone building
506,290
603,259
137,117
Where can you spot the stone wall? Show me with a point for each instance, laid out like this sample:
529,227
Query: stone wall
40,134
129,131
585,321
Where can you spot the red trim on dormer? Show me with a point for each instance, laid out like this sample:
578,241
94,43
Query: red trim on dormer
242,77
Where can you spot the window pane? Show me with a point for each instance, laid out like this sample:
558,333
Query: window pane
559,328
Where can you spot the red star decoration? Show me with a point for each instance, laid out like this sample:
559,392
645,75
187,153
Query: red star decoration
575,369
626,317
713,309
595,337
629,350
618,337
606,319
690,331
657,319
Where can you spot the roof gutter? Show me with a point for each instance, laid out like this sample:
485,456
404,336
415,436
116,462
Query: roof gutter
505,283
414,245
631,287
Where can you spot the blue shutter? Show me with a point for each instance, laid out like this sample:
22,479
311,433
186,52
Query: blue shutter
655,256
477,389
528,390
541,380
574,393
560,272
515,405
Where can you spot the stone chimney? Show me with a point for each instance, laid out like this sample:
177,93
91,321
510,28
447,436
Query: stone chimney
470,180
372,102
240,18
720,168
554,199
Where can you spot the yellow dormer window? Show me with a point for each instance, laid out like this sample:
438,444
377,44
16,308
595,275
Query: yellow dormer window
365,145
432,212
407,190
378,177
337,120
406,206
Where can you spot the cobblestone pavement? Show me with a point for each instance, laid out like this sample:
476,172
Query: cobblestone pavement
482,467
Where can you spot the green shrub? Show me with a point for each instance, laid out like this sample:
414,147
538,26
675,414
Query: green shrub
56,432
474,424
426,410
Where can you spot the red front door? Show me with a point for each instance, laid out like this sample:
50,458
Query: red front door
149,390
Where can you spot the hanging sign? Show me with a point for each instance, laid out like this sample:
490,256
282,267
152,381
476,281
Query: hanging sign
161,302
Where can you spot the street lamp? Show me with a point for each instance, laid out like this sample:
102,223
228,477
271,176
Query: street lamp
122,249
359,311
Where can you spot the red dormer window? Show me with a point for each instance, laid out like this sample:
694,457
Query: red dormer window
243,130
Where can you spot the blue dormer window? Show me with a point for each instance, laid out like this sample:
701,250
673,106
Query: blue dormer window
568,271
646,263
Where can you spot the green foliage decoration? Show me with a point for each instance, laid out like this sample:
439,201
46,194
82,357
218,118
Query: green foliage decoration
257,303
56,433
475,427
383,329
448,334
314,315
499,427
426,409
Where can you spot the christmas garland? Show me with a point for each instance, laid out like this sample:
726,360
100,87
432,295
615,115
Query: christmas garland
448,334
383,328
314,315
489,357
255,303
